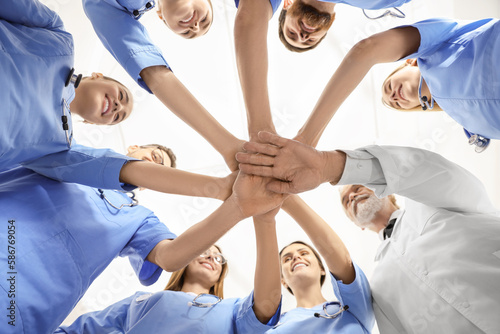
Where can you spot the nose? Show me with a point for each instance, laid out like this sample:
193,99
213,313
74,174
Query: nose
303,36
196,26
118,106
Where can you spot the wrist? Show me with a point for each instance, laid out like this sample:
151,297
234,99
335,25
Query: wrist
334,164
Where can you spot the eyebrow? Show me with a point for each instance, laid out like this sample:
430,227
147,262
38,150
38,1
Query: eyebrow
290,253
126,95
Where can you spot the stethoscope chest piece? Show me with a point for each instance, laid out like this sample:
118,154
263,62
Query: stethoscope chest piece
480,142
73,79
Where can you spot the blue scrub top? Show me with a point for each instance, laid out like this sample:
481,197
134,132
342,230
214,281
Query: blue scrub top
169,312
359,318
123,35
64,236
458,61
274,3
36,55
370,4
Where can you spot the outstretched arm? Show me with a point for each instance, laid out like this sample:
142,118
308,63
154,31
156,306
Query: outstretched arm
174,181
384,47
172,93
324,238
267,286
249,198
250,39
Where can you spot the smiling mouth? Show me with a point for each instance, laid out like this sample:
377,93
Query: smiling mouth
300,264
106,106
207,265
188,20
400,93
307,28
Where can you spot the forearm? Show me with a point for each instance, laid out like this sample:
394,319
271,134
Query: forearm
388,46
326,241
267,285
250,35
175,96
176,254
174,181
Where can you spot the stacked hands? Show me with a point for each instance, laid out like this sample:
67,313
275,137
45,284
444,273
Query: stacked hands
276,166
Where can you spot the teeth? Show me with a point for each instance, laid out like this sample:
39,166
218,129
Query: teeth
186,21
106,107
299,265
207,266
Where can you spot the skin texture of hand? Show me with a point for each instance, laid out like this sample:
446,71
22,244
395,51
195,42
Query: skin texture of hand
252,197
229,156
295,166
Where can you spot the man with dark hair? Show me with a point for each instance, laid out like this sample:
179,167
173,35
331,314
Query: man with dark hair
303,24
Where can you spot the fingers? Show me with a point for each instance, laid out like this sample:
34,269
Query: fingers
281,187
271,138
256,170
261,148
254,159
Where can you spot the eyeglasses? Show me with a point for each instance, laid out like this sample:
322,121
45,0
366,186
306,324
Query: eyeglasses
218,257
331,310
397,13
205,300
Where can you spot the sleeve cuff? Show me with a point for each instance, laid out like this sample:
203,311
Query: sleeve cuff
360,168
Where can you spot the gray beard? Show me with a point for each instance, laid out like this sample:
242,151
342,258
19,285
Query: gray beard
367,210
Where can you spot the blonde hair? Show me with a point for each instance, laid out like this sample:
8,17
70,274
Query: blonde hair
417,108
176,281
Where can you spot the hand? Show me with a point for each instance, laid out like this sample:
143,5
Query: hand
226,186
252,197
297,167
268,217
229,157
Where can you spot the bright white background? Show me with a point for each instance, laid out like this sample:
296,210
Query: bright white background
207,67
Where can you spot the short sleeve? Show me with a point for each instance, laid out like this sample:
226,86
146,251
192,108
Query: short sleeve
247,322
98,168
30,13
274,4
147,236
357,296
433,33
124,37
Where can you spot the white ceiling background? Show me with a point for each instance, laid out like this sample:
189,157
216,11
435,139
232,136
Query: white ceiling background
207,67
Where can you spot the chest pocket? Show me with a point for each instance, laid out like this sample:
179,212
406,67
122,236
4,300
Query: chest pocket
111,204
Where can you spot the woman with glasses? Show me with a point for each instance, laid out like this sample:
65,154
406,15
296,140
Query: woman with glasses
193,299
303,274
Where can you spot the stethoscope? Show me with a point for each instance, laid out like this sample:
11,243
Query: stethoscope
75,81
131,195
325,310
399,14
138,12
479,141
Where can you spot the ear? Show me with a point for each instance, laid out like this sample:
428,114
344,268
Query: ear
362,229
96,75
287,4
132,148
411,62
284,283
158,12
323,273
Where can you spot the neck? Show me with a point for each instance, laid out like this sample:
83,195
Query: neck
195,287
382,218
309,295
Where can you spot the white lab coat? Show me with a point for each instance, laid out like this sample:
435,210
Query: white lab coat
440,270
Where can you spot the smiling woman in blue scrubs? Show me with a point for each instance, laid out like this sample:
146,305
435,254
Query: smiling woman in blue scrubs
456,61
36,130
193,301
303,274
116,23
